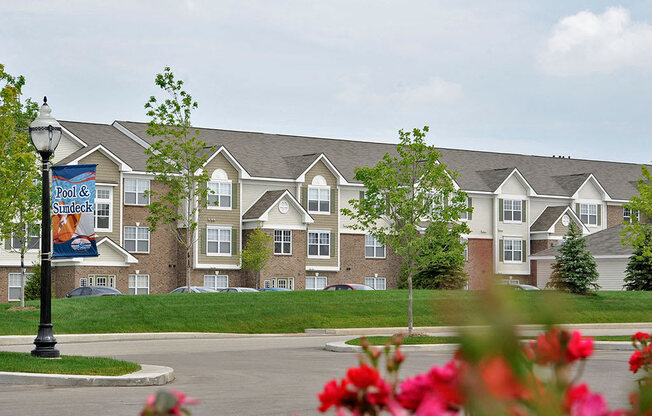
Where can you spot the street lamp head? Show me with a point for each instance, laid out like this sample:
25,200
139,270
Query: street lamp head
45,131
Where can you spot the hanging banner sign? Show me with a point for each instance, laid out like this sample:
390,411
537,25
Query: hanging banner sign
73,211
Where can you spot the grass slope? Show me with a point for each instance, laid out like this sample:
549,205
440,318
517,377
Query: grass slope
68,364
287,312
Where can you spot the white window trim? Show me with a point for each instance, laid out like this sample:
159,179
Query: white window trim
136,287
28,237
110,202
219,227
110,280
466,248
464,216
308,244
376,279
9,285
375,246
149,243
512,239
289,281
512,221
628,218
316,277
138,181
83,282
319,187
282,242
217,207
216,287
598,207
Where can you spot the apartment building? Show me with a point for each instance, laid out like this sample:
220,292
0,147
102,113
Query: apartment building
293,188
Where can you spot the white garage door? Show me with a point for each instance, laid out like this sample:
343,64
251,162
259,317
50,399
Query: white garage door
612,273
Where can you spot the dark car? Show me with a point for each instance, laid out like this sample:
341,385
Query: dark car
274,289
348,286
85,291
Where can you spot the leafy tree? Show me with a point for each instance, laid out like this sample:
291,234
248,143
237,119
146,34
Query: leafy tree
635,233
638,274
20,193
33,285
404,192
256,253
441,265
574,269
177,161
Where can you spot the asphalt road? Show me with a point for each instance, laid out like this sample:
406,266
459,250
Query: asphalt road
271,375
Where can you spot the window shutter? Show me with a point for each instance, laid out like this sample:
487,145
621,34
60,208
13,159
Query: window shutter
500,249
202,231
333,242
599,214
523,211
333,200
470,204
500,210
234,196
524,254
234,241
304,197
577,209
361,196
202,190
7,243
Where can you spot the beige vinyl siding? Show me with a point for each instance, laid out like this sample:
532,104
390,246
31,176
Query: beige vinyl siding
292,218
252,191
221,217
612,273
590,192
513,186
561,230
107,171
66,147
322,221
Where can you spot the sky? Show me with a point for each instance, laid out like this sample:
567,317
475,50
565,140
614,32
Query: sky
555,77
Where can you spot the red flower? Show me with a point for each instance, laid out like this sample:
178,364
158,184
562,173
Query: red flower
635,361
500,380
578,348
363,376
442,382
641,336
332,395
547,347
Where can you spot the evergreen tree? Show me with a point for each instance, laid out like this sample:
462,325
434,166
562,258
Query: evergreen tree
638,275
33,284
574,269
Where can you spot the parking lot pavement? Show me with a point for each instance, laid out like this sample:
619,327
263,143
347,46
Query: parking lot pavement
246,376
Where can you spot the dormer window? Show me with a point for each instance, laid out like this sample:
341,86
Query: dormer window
319,196
219,190
589,214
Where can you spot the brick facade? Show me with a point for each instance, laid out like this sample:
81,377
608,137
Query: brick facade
614,215
355,267
480,266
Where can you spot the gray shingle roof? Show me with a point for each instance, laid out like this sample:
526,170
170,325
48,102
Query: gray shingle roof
286,157
548,217
602,243
264,202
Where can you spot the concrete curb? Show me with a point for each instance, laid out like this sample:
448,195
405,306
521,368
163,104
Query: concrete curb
586,329
342,346
149,375
76,338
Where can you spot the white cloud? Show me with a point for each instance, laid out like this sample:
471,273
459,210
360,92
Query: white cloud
435,91
587,43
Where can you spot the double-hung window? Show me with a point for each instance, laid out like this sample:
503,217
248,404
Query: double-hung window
319,243
32,236
465,241
14,285
316,282
136,191
103,205
319,199
465,215
137,239
629,215
219,194
589,214
512,210
378,283
282,241
216,281
139,284
373,249
512,250
218,241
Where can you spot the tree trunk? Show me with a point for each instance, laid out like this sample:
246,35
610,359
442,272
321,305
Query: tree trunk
22,279
410,316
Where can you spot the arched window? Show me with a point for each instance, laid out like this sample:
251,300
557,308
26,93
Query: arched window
319,196
219,190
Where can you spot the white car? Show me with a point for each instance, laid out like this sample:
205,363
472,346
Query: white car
238,289
194,289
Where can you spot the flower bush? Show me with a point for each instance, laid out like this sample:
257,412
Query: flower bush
167,403
502,381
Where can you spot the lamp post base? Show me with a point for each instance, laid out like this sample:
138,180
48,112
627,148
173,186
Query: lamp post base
45,343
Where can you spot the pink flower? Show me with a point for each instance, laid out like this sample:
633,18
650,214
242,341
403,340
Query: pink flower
578,348
547,347
579,401
442,382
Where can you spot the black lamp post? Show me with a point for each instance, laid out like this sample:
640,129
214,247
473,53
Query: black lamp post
45,133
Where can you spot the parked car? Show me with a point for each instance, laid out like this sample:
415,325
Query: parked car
518,286
273,289
86,291
194,289
238,289
348,286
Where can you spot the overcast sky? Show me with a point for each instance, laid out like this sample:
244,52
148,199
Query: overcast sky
535,77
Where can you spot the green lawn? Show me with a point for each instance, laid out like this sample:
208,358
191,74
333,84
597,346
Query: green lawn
417,340
290,312
68,364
